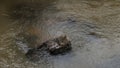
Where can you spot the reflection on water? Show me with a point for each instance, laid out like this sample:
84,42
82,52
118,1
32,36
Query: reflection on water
92,25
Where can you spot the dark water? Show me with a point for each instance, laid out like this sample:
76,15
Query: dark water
92,26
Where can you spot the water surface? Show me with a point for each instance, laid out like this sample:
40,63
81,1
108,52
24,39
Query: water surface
92,26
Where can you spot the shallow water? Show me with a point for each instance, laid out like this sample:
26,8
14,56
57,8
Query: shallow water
92,26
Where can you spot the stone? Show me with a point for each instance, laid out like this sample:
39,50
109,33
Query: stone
59,45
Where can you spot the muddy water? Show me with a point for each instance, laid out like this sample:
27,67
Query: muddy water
92,26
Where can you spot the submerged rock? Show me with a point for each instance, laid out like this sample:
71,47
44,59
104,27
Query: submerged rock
60,45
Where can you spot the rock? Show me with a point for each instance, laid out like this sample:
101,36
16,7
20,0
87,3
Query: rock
58,45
